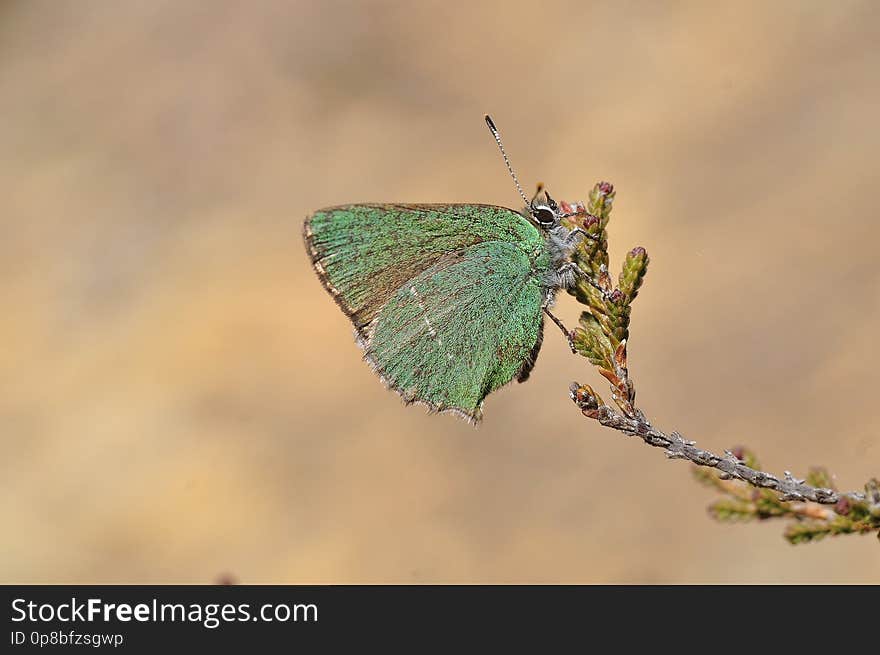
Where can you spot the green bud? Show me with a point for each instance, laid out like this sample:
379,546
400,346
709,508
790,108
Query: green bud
590,341
633,274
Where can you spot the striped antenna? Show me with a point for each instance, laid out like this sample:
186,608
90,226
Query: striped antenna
494,131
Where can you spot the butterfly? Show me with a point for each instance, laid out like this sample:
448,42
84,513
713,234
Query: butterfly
447,300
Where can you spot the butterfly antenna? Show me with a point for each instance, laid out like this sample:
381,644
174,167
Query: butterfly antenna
494,131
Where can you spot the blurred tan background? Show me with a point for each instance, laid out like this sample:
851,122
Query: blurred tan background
180,399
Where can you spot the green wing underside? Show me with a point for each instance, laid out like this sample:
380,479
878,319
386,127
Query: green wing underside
446,299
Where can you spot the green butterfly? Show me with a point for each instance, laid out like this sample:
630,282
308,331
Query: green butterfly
447,301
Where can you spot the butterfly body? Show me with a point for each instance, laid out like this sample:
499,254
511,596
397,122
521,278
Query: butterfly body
446,300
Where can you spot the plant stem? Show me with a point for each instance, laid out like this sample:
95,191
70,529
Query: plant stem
677,447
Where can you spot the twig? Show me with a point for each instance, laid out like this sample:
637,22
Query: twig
789,487
602,337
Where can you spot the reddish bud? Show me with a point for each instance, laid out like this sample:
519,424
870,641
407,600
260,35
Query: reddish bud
616,296
739,452
606,188
590,221
638,252
843,506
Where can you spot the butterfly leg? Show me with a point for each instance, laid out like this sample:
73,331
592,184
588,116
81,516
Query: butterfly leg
561,326
574,237
571,267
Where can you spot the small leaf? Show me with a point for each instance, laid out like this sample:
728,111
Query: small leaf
589,340
731,509
767,504
806,531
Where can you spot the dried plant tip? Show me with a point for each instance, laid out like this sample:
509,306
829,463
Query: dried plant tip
620,355
610,376
587,400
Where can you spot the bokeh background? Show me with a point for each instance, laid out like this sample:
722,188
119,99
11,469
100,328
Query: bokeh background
180,400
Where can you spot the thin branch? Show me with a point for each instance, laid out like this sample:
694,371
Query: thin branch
602,337
677,447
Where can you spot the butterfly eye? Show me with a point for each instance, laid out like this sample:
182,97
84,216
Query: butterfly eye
544,215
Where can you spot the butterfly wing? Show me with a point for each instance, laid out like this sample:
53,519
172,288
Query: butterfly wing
446,299
365,253
459,330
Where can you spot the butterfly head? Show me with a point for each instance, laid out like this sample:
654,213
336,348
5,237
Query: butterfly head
544,210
